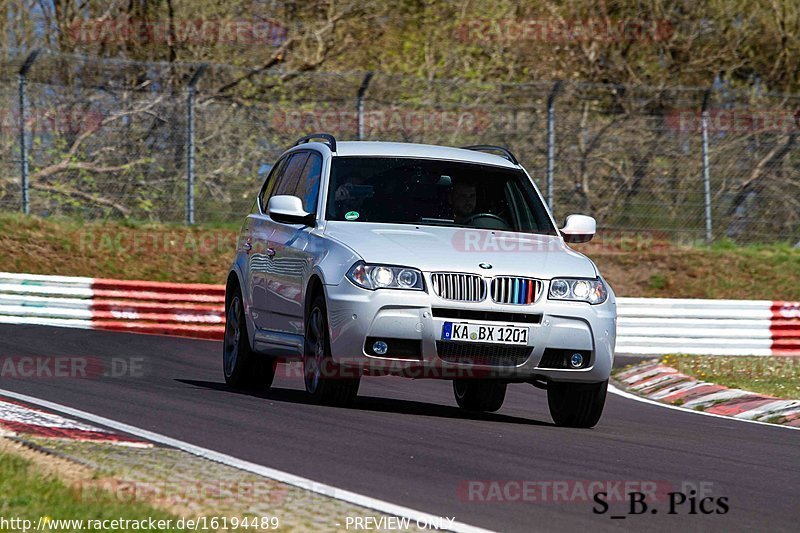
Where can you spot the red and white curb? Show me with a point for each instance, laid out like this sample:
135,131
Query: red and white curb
664,384
646,326
259,470
19,419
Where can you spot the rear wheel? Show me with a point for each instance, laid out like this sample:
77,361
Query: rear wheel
578,405
479,394
325,381
242,367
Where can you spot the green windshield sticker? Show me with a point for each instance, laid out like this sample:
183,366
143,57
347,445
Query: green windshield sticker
351,215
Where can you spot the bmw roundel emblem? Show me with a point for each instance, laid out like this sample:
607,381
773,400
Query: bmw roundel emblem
485,266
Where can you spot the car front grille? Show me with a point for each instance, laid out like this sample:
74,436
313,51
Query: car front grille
482,354
515,290
459,287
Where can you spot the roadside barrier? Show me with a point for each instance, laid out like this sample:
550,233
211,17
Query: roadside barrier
188,310
645,326
713,327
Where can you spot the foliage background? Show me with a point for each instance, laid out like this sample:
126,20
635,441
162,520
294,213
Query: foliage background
107,116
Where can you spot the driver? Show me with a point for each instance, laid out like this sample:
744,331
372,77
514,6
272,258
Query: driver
463,198
351,195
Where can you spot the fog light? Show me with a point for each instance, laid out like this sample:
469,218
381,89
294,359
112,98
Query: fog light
380,348
576,360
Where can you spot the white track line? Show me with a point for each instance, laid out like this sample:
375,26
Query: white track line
614,390
278,475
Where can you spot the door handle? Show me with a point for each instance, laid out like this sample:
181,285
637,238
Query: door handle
270,252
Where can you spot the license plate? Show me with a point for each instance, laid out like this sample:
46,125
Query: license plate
484,333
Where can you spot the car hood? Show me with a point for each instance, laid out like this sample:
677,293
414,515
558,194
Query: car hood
437,249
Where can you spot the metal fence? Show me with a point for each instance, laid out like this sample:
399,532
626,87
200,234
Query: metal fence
114,139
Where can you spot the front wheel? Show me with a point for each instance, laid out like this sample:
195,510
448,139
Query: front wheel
242,367
479,394
325,381
577,405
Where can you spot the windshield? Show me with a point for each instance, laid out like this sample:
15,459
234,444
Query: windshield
400,190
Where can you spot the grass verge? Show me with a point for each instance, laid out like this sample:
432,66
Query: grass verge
27,494
774,376
155,252
634,266
660,269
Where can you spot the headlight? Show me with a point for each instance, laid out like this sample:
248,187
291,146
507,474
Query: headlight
593,291
385,277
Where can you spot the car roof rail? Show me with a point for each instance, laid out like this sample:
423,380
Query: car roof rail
330,140
505,152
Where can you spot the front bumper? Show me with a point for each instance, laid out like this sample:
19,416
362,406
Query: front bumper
355,314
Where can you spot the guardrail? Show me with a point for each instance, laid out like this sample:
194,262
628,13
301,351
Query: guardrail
646,325
189,310
714,327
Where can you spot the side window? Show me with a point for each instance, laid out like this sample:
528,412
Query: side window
269,183
287,183
308,184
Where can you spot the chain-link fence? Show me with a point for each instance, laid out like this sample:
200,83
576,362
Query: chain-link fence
110,138
9,148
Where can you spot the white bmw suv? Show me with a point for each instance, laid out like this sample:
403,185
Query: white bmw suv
374,258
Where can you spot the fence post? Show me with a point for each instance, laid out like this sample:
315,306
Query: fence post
360,104
23,141
190,144
551,140
706,172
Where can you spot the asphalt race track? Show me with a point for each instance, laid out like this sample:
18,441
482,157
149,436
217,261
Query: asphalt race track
405,441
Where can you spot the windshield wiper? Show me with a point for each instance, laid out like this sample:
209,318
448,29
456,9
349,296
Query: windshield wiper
434,220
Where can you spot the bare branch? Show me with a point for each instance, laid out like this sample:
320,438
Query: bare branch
124,211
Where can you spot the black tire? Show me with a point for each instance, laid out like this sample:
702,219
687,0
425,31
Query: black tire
325,381
577,405
479,394
243,368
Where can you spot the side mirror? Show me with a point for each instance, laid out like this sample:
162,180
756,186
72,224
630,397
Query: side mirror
289,210
579,228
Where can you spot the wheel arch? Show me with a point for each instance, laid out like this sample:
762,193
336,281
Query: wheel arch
235,280
232,281
314,287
